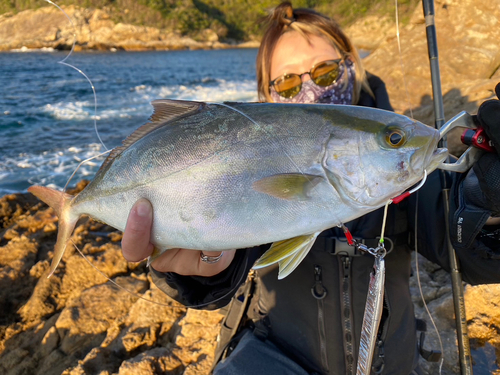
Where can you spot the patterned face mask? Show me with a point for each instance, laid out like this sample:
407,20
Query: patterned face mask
333,94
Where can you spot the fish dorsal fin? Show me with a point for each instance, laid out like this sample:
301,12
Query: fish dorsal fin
165,111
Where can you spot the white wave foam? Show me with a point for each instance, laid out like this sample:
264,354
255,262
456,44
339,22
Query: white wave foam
69,111
52,167
137,102
244,91
26,49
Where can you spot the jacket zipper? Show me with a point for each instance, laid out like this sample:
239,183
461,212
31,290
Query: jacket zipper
346,313
319,292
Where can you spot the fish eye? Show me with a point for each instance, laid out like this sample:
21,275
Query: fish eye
395,137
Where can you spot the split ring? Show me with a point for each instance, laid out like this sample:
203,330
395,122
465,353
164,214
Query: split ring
210,260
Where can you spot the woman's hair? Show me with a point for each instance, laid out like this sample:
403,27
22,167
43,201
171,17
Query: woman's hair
306,22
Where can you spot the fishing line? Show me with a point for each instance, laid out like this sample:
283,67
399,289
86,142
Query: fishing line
398,199
81,163
384,220
401,61
263,128
420,288
183,307
276,140
121,287
63,62
416,209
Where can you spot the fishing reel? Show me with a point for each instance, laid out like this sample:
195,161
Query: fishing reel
473,136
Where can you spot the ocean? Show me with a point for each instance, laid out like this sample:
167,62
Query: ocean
47,108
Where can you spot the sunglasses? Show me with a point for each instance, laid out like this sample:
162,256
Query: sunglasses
322,74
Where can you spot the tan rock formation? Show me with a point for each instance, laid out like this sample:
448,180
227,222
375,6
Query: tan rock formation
48,27
468,34
78,322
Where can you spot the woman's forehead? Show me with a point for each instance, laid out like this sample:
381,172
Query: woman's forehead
295,53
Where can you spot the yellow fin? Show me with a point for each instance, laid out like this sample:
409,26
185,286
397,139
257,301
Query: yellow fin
290,186
289,253
287,265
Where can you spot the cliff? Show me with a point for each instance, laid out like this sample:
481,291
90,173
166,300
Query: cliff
92,29
468,36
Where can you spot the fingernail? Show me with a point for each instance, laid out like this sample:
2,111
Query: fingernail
143,209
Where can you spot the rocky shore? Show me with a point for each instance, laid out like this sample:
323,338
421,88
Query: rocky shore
80,322
93,29
468,36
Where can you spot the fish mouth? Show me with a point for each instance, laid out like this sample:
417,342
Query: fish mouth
436,158
435,155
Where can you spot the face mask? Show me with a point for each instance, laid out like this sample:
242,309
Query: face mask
333,94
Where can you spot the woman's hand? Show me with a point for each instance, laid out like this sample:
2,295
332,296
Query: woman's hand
136,246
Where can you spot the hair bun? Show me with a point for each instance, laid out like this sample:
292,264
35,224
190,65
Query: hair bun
283,13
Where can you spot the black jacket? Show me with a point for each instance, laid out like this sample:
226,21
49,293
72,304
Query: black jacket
315,314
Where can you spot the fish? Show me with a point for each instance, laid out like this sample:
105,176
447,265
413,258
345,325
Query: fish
236,175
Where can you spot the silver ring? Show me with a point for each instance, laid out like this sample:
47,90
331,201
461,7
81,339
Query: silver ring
210,260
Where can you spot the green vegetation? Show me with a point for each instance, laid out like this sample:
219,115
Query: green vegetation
234,19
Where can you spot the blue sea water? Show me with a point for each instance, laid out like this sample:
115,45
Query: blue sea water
47,108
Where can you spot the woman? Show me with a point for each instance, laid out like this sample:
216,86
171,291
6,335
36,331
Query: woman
310,322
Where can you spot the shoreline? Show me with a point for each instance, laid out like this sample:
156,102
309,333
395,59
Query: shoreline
194,47
93,29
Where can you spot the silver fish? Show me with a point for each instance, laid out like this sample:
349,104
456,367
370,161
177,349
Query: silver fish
230,176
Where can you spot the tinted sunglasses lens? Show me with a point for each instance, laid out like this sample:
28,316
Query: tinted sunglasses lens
325,73
288,86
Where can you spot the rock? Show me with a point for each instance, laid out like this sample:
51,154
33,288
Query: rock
370,32
483,314
467,34
209,35
78,321
94,29
155,361
483,319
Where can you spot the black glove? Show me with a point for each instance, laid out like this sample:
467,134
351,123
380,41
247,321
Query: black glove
487,169
477,196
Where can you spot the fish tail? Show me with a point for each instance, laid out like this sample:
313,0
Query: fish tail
60,202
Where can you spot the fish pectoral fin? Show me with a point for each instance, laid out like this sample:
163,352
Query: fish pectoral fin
287,265
288,253
290,186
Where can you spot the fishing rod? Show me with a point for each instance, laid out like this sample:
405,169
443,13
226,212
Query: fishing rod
456,276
